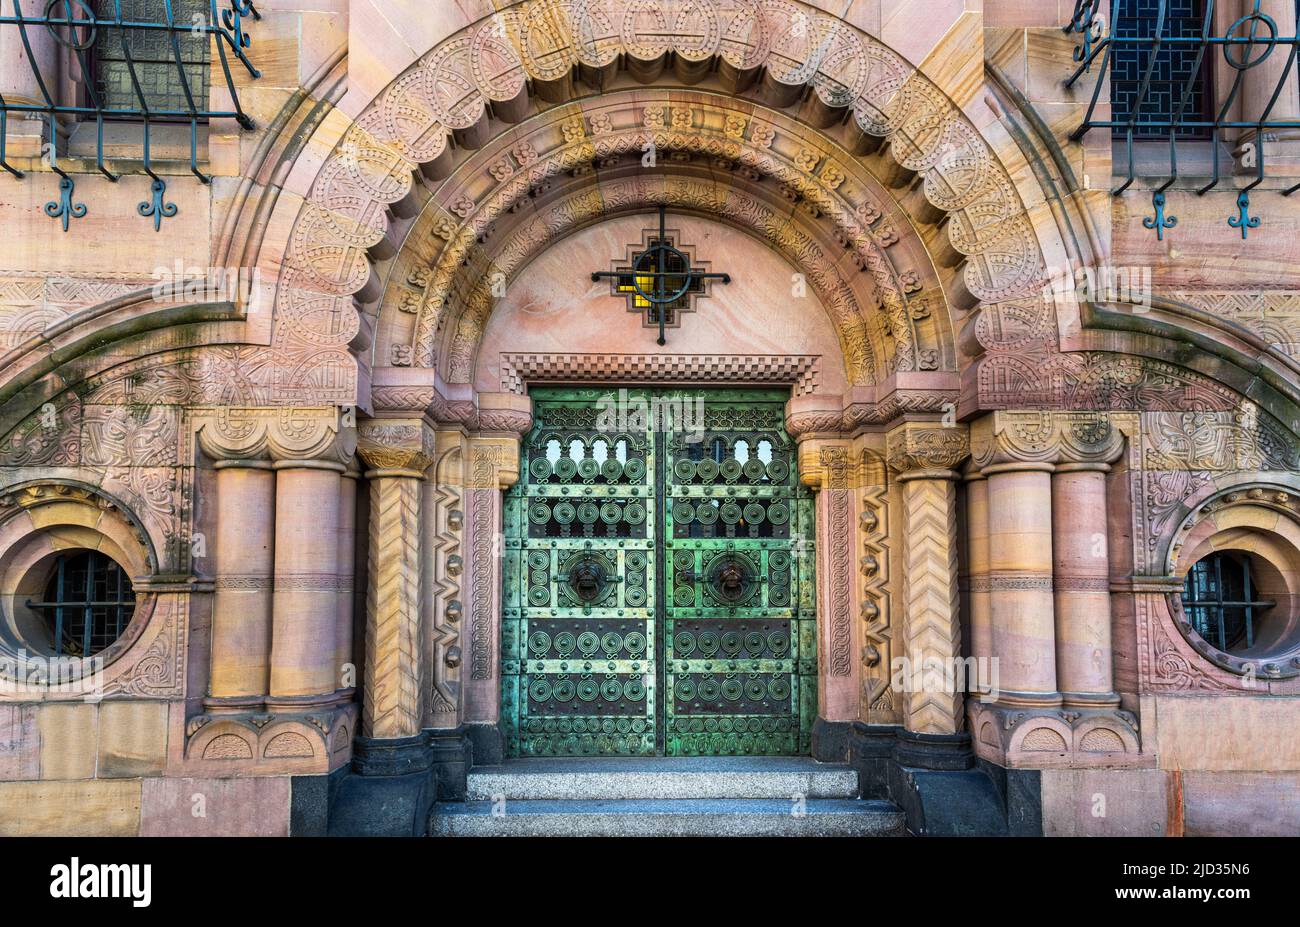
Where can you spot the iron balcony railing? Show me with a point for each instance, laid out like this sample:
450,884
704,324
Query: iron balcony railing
1167,48
82,30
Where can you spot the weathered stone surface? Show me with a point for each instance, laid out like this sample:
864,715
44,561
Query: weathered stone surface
69,740
90,808
661,778
257,807
1104,802
132,739
754,817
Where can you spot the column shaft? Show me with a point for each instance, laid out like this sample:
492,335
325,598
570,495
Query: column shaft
933,629
1082,585
306,579
346,569
392,678
244,563
1260,82
1020,582
977,554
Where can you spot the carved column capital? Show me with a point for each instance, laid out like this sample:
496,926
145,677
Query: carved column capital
396,446
325,434
1002,438
504,413
813,416
494,462
928,449
826,463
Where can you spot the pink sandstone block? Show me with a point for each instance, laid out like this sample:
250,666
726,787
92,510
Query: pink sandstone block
215,807
19,743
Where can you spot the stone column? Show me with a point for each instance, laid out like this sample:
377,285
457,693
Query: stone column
1020,581
244,563
307,493
18,83
346,568
1048,568
492,467
1259,83
924,455
397,452
977,568
829,467
1082,584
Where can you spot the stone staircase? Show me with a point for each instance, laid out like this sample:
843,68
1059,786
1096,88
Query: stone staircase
665,797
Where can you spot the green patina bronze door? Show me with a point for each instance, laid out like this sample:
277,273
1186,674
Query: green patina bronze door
658,578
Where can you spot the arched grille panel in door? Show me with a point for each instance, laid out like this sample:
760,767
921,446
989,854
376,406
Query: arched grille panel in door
658,578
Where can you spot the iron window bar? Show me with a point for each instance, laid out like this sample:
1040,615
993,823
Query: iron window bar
115,604
1245,44
75,26
1207,576
650,264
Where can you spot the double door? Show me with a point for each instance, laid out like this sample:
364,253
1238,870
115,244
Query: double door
658,578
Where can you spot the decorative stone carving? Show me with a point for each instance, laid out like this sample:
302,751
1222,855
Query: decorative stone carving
926,454
398,451
396,446
879,703
1047,437
927,446
283,433
1076,737
445,583
345,211
801,371
249,742
392,705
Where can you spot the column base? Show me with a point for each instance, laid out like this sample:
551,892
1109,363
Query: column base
452,756
1090,699
233,704
933,778
830,740
1017,737
390,791
487,743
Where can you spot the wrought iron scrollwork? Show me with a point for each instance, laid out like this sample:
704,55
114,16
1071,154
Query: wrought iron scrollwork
85,28
1164,102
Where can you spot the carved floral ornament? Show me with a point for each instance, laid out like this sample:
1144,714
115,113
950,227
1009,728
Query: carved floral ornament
542,41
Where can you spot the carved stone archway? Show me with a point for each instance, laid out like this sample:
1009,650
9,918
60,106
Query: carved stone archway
543,47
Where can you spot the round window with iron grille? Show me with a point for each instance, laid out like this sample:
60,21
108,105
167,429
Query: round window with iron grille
87,603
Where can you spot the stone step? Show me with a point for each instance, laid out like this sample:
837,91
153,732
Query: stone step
734,817
778,778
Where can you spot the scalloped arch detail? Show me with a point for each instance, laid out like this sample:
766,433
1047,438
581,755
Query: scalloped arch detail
537,45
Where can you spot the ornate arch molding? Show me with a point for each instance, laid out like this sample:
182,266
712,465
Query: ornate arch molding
1235,340
805,197
544,43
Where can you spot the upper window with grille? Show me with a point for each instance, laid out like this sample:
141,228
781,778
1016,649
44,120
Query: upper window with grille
130,63
1179,89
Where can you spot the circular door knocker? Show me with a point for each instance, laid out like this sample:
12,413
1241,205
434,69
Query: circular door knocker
732,579
587,579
